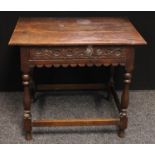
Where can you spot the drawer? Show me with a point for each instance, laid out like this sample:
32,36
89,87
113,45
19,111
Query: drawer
77,52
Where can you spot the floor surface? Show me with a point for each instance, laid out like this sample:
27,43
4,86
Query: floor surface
77,104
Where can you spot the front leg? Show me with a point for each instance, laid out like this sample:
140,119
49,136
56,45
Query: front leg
27,94
27,106
124,105
125,94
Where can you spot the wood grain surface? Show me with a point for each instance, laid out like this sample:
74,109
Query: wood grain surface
75,31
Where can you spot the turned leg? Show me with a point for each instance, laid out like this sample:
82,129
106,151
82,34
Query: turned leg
110,83
27,106
124,105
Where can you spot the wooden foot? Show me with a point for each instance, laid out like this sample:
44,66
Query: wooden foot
121,133
28,136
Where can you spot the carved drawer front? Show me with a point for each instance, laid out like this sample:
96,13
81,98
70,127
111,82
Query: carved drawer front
81,52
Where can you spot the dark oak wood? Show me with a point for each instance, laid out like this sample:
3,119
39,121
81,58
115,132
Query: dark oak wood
88,86
27,95
75,31
72,42
77,122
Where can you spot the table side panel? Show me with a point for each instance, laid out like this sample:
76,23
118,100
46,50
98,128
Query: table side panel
77,56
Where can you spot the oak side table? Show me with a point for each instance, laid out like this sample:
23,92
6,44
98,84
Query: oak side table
71,42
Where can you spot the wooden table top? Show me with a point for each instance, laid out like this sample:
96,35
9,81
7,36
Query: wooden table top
75,31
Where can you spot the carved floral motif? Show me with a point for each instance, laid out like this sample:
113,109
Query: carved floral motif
77,56
75,52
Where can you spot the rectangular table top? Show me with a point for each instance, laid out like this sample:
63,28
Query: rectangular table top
75,31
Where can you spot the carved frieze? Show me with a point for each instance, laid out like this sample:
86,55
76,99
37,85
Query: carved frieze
82,52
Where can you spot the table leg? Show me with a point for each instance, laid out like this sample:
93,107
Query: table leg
32,86
27,106
110,83
124,104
